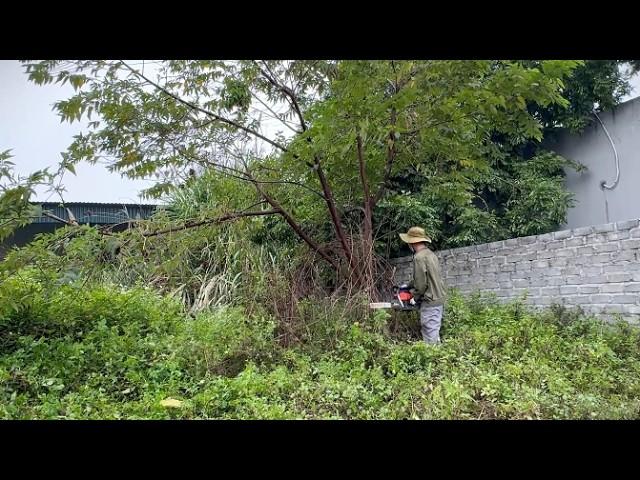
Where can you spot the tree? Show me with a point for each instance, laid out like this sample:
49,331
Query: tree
522,192
354,125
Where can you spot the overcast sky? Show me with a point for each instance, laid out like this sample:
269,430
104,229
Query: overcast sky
33,131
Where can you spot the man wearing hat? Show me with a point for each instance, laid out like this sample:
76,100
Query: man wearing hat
429,290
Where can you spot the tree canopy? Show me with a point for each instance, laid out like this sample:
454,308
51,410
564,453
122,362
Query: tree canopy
339,154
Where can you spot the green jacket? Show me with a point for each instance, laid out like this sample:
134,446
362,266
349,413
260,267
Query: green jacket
427,282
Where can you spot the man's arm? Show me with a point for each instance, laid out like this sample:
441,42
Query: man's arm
419,279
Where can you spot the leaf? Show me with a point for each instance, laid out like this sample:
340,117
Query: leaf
5,154
171,403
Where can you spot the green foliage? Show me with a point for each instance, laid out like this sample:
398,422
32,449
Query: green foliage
433,120
15,193
521,192
108,353
538,200
594,82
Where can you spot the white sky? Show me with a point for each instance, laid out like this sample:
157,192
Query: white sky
33,131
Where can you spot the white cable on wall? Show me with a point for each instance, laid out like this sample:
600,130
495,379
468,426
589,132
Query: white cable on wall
604,184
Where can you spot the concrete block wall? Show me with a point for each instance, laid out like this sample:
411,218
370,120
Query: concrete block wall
596,268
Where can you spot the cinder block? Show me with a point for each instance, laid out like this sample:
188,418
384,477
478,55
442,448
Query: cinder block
507,267
588,289
483,247
496,245
538,282
546,300
577,300
624,255
581,260
528,240
601,298
630,299
498,259
561,235
589,270
600,258
595,238
566,252
568,290
613,308
582,231
570,270
634,232
631,287
523,266
555,245
615,236
574,279
595,279
619,277
633,243
588,250
627,224
607,227
606,247
615,268
524,257
556,281
612,288
575,242
550,291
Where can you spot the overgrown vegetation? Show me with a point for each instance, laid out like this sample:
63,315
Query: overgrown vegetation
246,297
107,353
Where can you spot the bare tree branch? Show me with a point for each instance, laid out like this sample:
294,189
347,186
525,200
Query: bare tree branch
206,112
210,221
275,115
240,175
55,217
289,94
295,226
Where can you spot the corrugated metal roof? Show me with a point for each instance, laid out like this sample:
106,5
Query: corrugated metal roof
95,213
99,203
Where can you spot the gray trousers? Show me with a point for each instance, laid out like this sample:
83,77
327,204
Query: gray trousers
430,322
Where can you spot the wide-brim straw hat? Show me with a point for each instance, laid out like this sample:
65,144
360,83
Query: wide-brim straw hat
415,235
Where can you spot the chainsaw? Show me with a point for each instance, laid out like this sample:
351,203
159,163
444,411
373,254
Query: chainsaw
403,300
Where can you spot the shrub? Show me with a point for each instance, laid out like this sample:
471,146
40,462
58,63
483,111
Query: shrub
108,352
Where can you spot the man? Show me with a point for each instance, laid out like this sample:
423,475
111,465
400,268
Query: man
429,290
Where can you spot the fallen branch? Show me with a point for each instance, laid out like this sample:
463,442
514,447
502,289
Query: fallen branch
210,221
55,217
